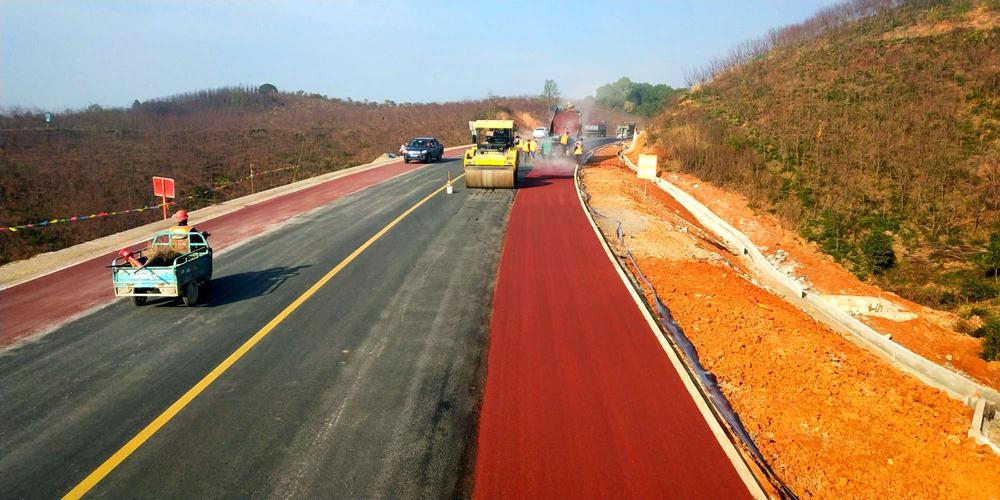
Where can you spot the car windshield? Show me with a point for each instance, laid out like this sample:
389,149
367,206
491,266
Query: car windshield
420,143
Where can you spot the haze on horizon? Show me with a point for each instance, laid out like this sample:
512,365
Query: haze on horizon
62,54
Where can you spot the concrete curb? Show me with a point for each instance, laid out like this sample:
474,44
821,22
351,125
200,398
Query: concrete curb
16,273
932,374
985,413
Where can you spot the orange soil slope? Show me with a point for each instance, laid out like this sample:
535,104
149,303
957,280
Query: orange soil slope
930,334
832,419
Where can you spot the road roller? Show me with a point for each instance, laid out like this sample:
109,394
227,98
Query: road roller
492,162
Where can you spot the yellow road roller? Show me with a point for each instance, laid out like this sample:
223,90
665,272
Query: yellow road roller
492,162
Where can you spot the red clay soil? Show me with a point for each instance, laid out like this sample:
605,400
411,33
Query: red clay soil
42,303
833,420
580,399
930,334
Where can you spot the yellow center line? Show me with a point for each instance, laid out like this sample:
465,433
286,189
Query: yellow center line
115,460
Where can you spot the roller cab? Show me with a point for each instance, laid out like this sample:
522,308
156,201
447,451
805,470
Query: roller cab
492,162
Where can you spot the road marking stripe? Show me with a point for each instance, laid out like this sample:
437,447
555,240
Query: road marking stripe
115,460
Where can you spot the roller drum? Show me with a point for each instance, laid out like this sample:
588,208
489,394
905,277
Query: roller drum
484,178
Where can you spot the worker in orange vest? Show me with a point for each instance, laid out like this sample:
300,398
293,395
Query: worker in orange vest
182,227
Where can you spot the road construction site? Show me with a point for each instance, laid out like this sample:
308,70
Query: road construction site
391,332
342,351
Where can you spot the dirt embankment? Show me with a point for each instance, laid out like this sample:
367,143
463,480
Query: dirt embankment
926,331
833,420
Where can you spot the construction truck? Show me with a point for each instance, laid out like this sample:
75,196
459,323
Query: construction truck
492,162
566,118
626,130
596,129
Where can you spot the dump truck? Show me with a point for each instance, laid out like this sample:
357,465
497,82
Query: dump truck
595,129
492,162
566,118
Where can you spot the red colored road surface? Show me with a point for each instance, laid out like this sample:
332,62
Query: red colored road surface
581,401
39,304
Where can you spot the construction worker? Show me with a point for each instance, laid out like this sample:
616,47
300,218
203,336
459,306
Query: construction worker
182,227
525,149
578,153
564,140
532,148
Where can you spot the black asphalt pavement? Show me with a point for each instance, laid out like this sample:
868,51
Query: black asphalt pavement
370,389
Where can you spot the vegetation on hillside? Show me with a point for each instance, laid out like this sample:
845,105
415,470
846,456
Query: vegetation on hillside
635,97
873,129
102,159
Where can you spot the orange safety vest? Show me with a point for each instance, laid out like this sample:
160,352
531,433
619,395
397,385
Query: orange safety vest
178,232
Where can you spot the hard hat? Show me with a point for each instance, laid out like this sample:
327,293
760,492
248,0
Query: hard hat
181,215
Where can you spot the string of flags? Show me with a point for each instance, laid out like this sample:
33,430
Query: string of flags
104,214
78,218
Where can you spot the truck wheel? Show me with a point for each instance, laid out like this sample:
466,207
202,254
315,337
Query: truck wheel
190,296
137,300
405,160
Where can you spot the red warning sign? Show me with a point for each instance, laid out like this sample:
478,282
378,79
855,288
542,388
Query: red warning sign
163,187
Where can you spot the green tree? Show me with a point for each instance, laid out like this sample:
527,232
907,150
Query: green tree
635,97
267,88
878,250
990,261
551,91
990,332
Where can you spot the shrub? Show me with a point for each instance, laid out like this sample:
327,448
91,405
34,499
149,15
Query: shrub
946,299
991,340
976,289
878,250
963,326
982,312
990,261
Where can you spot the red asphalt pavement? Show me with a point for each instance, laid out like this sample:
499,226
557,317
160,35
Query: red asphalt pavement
42,303
580,400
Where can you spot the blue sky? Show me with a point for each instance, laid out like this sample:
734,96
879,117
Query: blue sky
57,54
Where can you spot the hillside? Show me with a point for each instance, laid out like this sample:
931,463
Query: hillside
102,159
873,129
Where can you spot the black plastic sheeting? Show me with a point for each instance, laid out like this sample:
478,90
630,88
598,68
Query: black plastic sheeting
705,377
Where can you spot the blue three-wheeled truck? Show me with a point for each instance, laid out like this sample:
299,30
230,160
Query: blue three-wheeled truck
172,265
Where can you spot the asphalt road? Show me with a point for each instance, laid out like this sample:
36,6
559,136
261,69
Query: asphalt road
370,389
